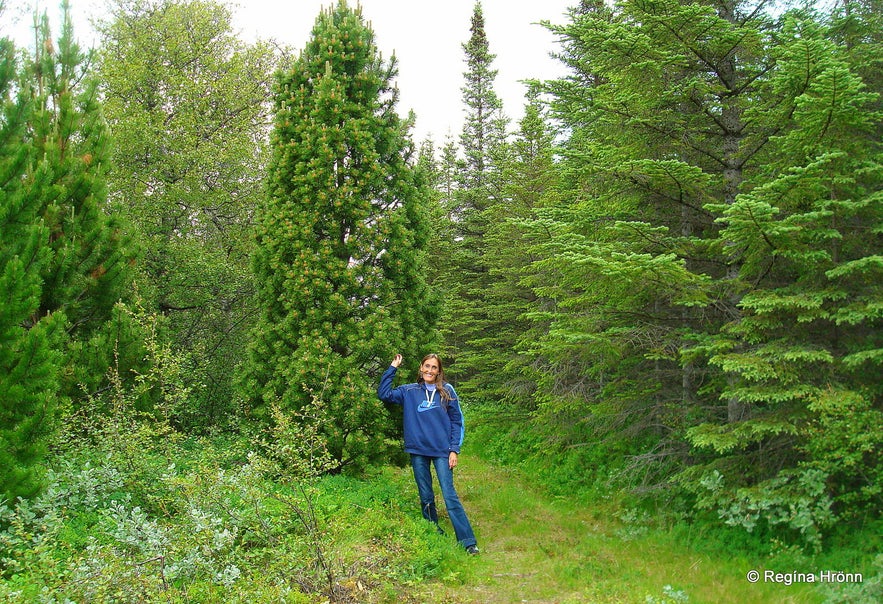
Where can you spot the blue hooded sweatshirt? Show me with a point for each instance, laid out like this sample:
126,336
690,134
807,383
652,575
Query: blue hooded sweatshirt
429,429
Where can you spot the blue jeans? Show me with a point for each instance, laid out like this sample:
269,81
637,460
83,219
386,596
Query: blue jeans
420,464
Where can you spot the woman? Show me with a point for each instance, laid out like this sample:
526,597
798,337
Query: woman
433,434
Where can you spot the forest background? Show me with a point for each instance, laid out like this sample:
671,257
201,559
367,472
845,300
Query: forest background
662,286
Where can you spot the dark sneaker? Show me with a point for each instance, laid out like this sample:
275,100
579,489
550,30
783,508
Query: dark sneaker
472,550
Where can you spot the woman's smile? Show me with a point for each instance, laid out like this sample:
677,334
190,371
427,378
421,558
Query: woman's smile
429,371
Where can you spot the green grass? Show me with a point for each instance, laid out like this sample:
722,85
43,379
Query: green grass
536,548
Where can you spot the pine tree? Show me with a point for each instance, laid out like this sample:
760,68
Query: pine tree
340,265
28,338
89,268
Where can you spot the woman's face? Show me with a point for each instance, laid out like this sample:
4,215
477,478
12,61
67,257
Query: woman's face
429,370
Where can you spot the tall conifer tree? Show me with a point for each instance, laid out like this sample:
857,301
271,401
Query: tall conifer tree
528,178
478,184
90,257
807,353
89,268
85,277
65,259
28,359
340,245
713,266
485,123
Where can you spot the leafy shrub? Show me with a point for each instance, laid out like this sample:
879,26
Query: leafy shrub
795,499
868,591
670,595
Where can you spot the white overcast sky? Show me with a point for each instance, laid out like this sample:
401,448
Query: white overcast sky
425,35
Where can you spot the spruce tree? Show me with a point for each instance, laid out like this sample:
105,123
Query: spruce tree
807,353
711,269
340,267
528,176
482,141
485,124
446,181
635,269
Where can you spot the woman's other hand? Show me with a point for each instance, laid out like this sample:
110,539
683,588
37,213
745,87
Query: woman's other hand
452,460
397,361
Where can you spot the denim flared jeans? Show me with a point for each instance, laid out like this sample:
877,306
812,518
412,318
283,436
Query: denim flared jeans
423,476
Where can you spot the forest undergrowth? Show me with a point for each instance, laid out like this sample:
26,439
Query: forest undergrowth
207,520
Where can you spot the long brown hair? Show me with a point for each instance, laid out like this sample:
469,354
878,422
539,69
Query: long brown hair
439,379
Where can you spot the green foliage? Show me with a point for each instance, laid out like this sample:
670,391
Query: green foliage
794,499
65,259
705,275
516,441
188,102
484,129
89,268
808,238
682,300
478,182
296,444
341,238
28,354
225,531
136,412
499,370
87,272
868,591
842,441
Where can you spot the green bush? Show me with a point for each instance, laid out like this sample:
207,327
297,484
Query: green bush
222,528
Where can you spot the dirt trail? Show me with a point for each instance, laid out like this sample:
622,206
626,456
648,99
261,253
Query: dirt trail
531,550
538,550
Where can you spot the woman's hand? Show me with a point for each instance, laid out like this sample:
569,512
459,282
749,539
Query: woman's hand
452,460
397,361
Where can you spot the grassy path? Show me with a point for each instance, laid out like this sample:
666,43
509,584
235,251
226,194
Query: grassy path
536,549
